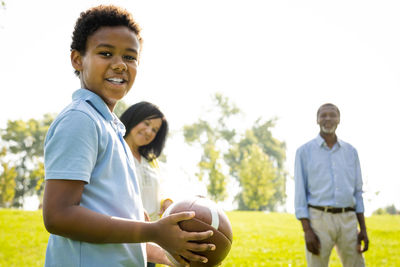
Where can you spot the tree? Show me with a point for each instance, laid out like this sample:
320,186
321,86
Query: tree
211,165
391,209
7,181
223,147
257,178
213,136
260,135
25,140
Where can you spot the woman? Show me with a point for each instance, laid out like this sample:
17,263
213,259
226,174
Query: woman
146,132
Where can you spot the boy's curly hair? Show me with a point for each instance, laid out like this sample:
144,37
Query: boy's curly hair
96,17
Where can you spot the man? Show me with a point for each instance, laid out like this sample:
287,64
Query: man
328,195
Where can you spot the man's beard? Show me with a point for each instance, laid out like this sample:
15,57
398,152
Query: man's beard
330,130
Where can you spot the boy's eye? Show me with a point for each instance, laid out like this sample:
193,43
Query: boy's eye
106,54
130,58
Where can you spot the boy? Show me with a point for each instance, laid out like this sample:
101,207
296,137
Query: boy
91,204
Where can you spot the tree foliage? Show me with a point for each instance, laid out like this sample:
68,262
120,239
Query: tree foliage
391,209
213,136
25,140
7,181
211,165
255,158
260,135
257,178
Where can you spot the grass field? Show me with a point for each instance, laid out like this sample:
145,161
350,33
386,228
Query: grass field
260,239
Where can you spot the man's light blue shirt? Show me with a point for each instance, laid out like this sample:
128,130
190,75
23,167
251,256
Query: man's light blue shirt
85,143
327,177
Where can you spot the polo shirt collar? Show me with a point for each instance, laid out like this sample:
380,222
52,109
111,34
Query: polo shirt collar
97,103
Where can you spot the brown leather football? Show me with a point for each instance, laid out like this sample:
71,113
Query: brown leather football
208,217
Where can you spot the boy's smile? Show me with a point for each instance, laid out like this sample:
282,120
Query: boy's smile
109,65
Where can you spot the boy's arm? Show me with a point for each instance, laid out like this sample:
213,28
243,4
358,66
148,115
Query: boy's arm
63,216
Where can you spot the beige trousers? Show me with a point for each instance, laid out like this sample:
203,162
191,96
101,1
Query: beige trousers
338,230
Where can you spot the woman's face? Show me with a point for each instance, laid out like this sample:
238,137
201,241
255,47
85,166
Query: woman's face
145,132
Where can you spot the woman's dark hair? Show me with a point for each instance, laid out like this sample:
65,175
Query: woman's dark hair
145,111
101,16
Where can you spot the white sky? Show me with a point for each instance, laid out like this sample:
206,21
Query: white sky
272,58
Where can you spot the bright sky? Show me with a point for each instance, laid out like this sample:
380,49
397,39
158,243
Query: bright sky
272,58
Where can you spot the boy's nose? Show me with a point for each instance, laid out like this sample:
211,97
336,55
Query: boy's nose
119,65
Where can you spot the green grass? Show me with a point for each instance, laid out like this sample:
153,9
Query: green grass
260,239
23,238
276,239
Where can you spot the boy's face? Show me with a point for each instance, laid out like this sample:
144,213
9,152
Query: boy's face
109,66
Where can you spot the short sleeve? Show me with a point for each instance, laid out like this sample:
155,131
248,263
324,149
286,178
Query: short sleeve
71,147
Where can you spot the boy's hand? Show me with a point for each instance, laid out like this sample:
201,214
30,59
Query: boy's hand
178,242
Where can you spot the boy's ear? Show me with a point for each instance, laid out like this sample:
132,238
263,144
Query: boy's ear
76,60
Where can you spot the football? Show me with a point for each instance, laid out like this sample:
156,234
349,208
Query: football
208,217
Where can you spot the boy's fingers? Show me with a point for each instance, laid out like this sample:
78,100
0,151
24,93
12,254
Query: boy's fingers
197,236
195,247
194,257
182,216
189,256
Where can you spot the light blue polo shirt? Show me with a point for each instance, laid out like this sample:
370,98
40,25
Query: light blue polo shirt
85,143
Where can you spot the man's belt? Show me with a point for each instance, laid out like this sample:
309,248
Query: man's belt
332,209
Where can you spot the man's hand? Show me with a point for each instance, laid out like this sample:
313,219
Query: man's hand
362,236
312,241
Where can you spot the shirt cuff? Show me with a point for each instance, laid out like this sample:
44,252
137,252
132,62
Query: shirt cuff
301,213
359,207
